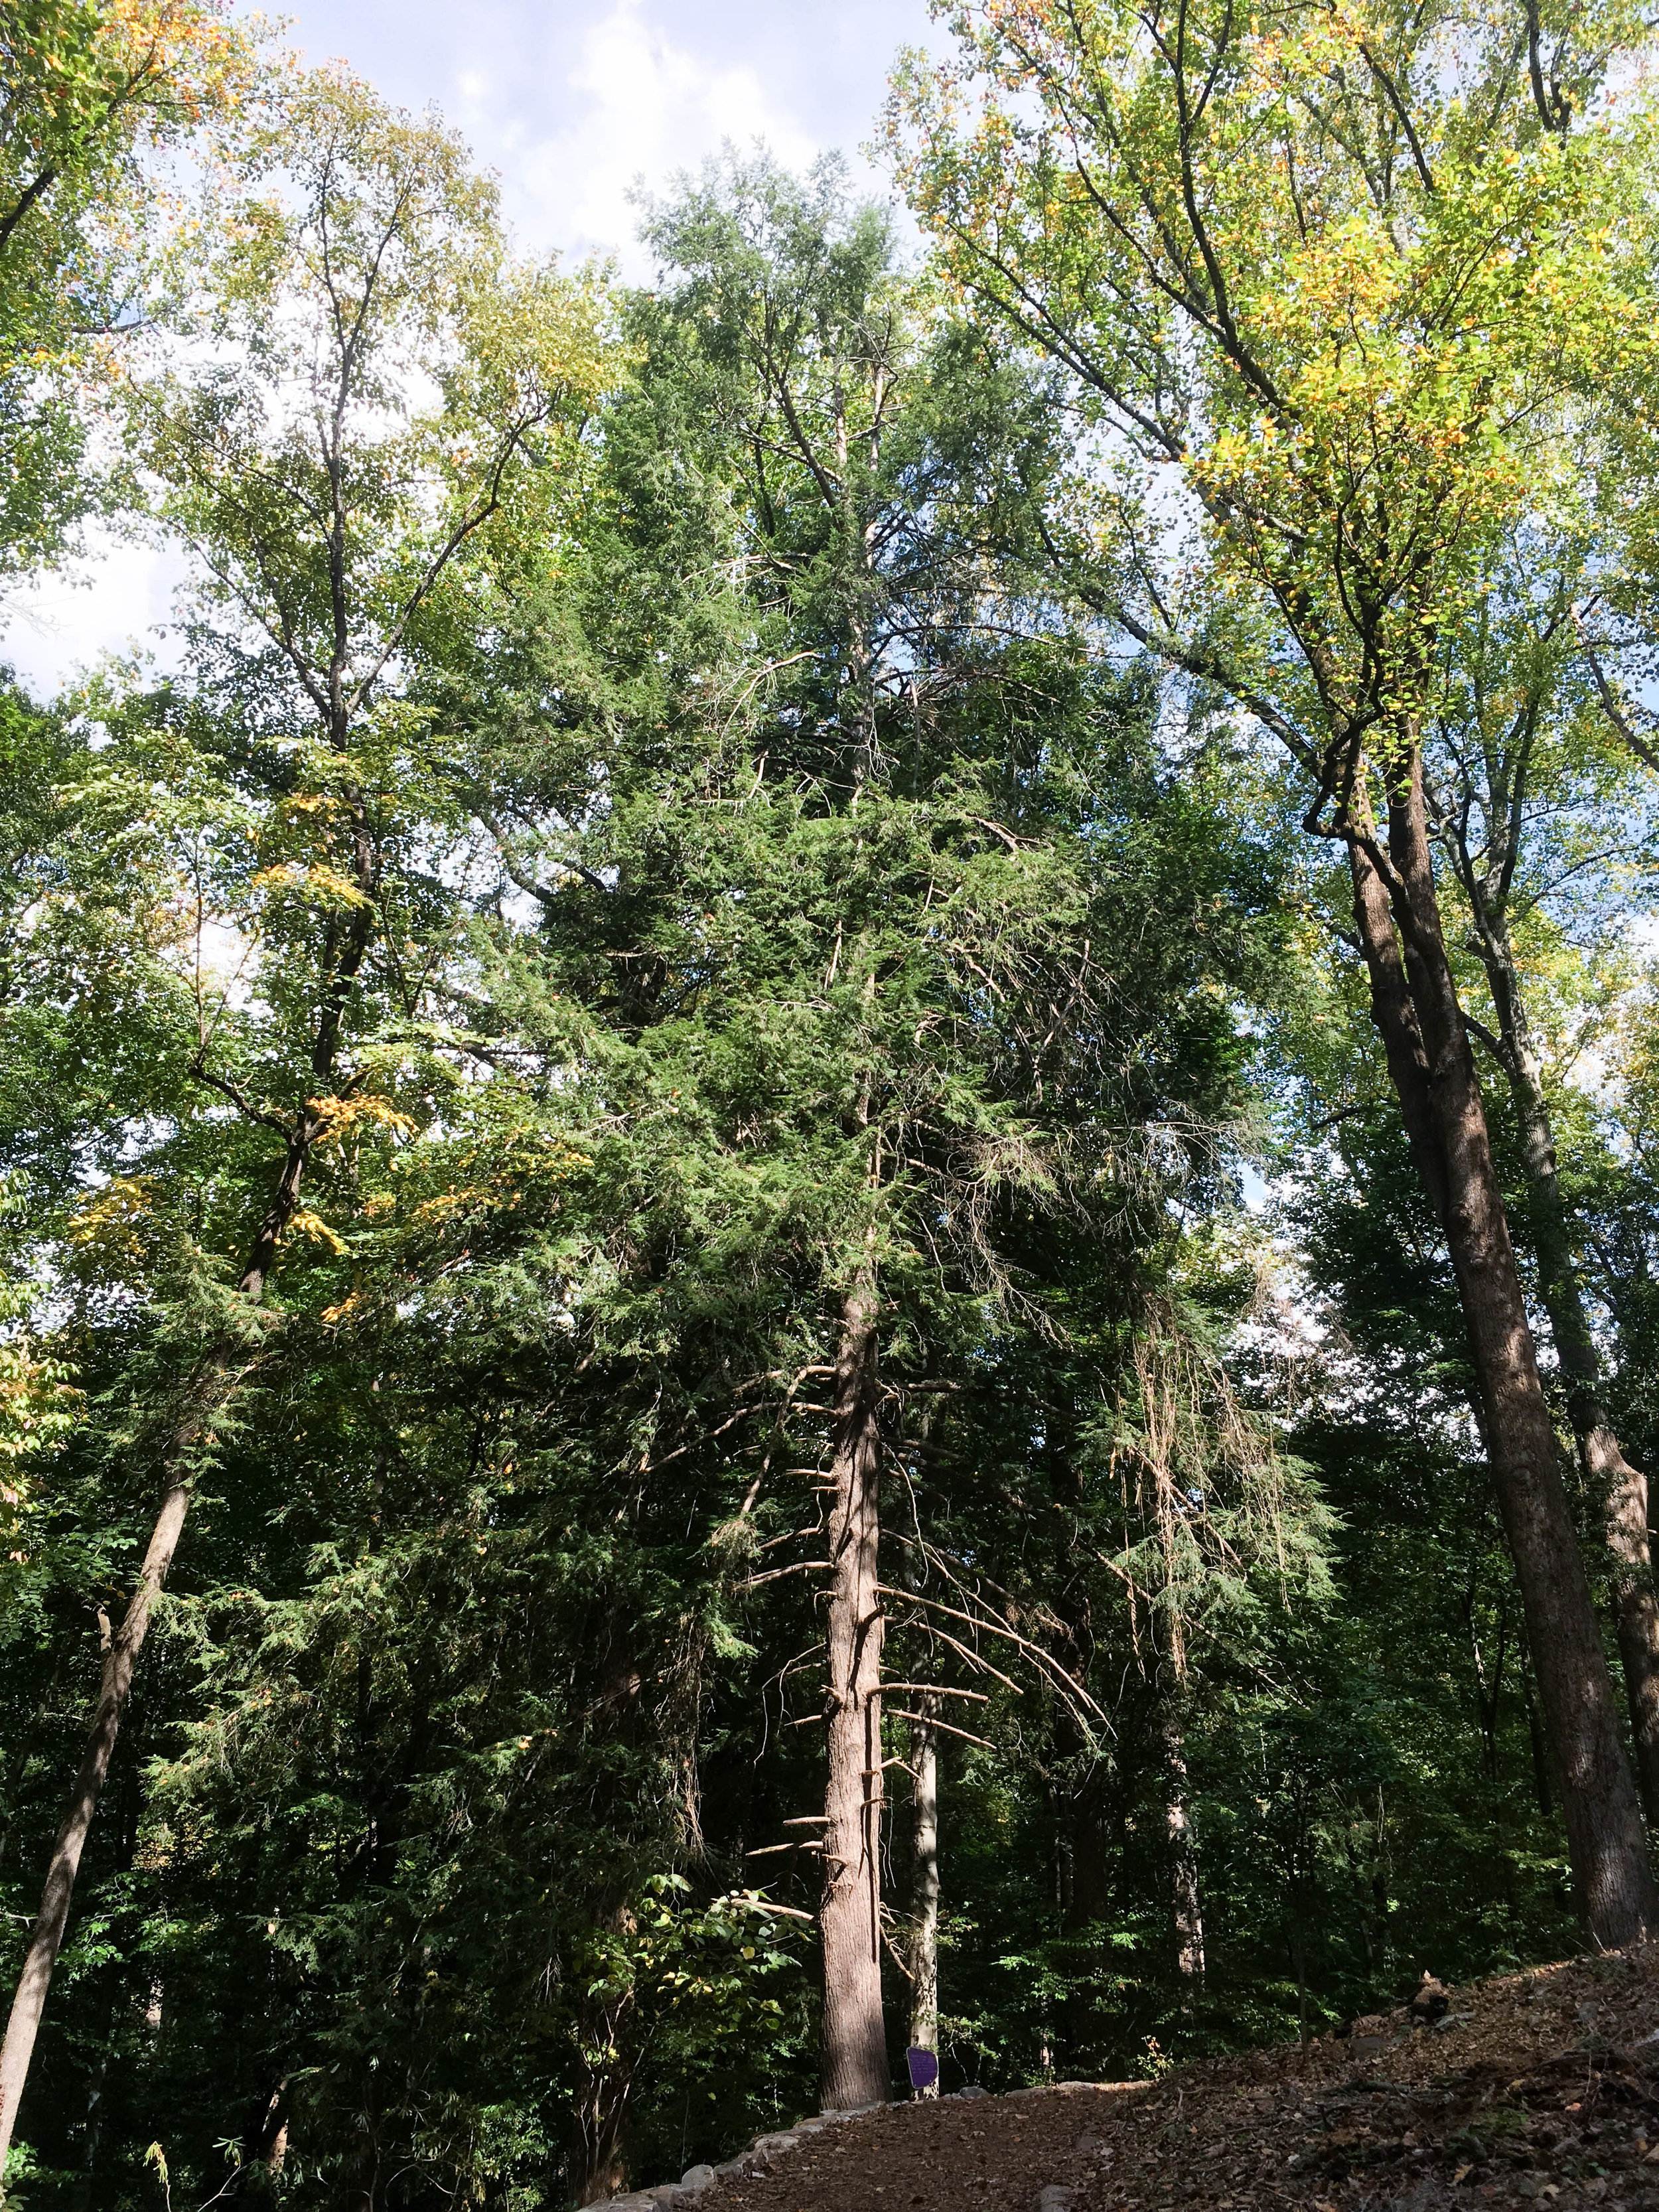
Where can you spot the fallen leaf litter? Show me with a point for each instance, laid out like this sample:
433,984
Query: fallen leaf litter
1542,2088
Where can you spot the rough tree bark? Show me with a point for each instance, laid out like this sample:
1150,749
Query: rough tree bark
924,1938
1185,1903
598,2167
1543,1789
1618,1490
267,2146
1433,1068
854,2040
46,1939
1396,1019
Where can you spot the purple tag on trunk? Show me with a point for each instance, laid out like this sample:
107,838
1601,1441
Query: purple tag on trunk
924,2068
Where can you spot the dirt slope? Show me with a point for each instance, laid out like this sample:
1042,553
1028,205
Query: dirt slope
1541,2087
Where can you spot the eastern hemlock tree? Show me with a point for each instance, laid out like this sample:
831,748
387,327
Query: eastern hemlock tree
842,968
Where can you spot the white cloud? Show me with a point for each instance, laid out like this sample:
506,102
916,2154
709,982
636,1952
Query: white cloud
646,107
634,103
62,622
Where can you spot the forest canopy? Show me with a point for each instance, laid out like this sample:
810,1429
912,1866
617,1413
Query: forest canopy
827,1178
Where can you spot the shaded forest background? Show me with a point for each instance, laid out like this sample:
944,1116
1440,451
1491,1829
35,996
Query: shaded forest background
694,851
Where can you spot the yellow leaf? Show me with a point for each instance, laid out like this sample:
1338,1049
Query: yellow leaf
313,1226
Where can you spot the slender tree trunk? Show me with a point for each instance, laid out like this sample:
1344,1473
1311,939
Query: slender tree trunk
120,1655
1377,1936
1295,1941
924,1940
215,1378
1185,1901
854,2047
1441,1096
1619,1490
1488,1679
1636,1615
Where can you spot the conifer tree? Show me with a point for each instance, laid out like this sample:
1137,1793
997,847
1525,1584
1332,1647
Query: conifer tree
862,906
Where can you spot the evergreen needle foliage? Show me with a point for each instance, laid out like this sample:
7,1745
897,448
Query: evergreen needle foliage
778,1244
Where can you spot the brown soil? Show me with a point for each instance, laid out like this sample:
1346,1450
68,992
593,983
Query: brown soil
1547,2092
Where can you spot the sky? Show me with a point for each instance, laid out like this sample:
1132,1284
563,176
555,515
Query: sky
572,102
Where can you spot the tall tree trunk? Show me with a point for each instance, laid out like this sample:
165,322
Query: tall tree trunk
120,1656
267,2143
215,1377
854,2046
1441,1096
1396,1022
924,1939
598,2167
1186,1905
1620,1491
1540,1751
